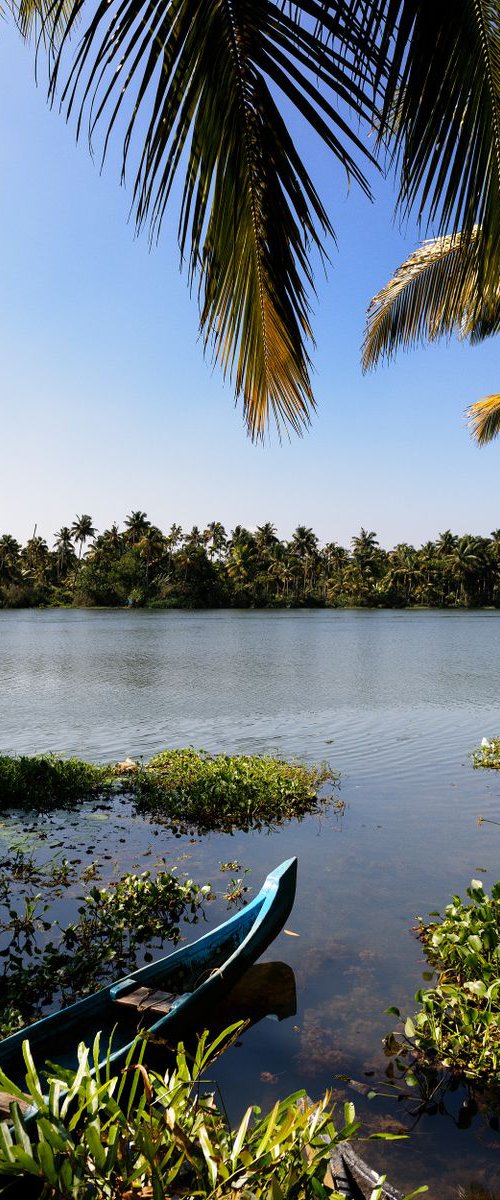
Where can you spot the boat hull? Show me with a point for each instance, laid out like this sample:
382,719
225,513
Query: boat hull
197,975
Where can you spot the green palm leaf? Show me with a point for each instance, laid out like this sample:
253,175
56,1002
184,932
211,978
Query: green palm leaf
434,293
429,298
440,114
42,19
484,419
193,86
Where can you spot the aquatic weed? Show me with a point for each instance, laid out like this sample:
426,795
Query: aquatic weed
48,781
193,788
458,1023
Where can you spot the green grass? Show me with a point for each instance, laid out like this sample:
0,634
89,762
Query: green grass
100,1132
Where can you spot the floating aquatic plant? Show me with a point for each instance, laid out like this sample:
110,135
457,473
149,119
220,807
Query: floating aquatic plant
44,961
458,1023
220,791
185,788
487,754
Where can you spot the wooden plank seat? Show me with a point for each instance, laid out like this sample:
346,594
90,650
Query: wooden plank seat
145,999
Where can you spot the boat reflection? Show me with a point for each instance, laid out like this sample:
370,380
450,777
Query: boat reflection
267,989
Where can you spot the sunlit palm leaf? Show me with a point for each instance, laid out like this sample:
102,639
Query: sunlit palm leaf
444,83
484,419
42,18
195,83
434,293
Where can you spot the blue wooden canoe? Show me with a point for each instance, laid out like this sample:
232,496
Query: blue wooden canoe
172,997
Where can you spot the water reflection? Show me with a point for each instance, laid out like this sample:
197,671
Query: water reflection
394,701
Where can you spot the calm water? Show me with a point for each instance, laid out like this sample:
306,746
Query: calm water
393,700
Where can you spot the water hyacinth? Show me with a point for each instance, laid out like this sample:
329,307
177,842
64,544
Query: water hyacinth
487,754
458,1023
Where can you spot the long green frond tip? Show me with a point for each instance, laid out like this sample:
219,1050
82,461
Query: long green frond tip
196,90
42,19
436,292
484,419
442,72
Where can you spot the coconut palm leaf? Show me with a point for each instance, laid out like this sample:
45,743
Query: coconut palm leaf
41,19
423,302
434,293
484,419
443,83
193,86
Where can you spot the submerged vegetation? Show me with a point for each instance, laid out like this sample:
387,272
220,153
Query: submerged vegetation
138,1133
458,1023
185,788
142,566
115,927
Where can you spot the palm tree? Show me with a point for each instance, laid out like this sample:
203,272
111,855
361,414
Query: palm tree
35,558
265,536
204,87
446,543
151,548
215,537
109,543
470,564
82,530
364,544
239,536
9,558
64,548
136,525
194,539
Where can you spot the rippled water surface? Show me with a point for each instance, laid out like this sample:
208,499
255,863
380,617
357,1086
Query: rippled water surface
395,701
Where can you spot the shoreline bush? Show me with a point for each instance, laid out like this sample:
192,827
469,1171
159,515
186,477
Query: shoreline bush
139,1133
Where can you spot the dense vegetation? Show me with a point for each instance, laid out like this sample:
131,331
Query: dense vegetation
458,1023
140,565
185,788
112,930
46,781
222,791
138,1133
487,754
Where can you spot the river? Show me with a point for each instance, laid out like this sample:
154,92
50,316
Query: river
394,701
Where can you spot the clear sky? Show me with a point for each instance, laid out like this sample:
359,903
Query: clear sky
108,404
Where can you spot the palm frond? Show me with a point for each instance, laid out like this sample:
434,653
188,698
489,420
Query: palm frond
484,419
442,76
42,20
195,83
433,294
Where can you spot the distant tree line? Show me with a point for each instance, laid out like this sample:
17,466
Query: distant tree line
140,565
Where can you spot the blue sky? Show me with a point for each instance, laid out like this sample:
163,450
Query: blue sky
108,404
